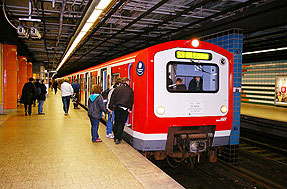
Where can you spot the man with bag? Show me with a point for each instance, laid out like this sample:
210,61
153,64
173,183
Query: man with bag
121,102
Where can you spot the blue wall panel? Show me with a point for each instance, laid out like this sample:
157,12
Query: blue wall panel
231,40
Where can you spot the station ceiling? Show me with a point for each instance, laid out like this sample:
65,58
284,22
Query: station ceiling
131,25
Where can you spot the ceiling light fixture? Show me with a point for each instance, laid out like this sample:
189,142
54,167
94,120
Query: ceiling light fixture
93,17
263,51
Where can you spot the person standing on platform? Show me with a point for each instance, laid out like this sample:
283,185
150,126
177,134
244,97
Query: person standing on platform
37,84
50,85
41,97
76,86
55,86
66,93
111,116
121,102
96,107
28,95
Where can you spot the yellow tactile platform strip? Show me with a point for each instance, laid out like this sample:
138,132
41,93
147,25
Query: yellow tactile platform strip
55,151
264,111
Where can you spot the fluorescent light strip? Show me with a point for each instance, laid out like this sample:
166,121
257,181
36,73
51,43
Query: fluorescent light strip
262,51
87,26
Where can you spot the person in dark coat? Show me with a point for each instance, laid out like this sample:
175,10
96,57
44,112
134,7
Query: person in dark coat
121,102
55,86
76,86
28,94
195,84
41,97
96,107
37,85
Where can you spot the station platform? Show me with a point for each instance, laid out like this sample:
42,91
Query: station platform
269,120
56,151
264,111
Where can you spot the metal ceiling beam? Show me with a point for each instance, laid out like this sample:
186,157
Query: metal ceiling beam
147,30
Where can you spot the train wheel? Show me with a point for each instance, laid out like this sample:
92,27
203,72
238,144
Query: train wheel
192,161
175,162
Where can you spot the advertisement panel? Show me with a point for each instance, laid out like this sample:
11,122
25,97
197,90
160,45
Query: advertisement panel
280,91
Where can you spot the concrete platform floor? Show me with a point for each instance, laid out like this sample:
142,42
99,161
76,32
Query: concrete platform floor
56,151
265,111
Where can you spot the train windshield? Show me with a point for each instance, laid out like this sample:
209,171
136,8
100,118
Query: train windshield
185,77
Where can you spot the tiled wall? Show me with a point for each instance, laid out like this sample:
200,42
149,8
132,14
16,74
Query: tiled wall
9,76
258,81
231,40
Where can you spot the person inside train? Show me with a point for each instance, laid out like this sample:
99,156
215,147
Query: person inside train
170,84
195,84
122,100
179,85
96,107
111,117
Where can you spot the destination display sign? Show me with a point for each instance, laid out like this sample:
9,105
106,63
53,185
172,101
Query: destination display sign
193,55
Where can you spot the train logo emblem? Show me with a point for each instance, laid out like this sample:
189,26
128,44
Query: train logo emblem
140,68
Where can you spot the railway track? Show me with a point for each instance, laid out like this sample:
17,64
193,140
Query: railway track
205,174
263,151
250,176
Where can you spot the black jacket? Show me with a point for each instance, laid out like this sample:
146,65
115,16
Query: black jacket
96,106
193,86
42,95
28,93
55,84
122,96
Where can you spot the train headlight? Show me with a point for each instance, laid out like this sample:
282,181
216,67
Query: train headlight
160,110
223,109
195,43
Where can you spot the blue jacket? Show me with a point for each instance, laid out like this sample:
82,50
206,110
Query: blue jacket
96,106
76,87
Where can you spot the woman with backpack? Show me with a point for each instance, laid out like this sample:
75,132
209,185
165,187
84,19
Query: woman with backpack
95,108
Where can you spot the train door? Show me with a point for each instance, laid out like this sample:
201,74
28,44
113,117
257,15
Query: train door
132,84
82,91
86,88
104,78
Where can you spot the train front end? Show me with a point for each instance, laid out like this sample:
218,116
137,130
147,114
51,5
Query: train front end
193,98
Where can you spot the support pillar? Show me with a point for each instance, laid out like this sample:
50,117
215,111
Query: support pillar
1,80
232,40
9,77
42,72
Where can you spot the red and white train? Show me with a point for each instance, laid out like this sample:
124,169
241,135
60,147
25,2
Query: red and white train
168,120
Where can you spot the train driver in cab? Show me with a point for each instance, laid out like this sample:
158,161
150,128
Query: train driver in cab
195,84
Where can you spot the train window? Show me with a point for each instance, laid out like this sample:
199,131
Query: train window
185,77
